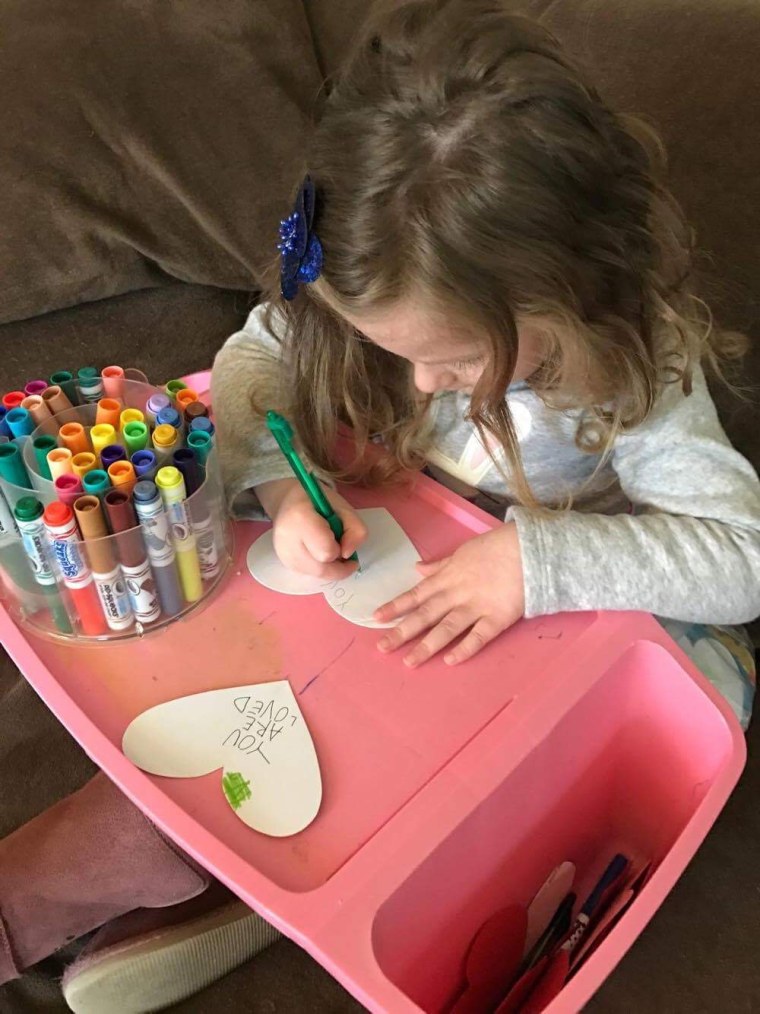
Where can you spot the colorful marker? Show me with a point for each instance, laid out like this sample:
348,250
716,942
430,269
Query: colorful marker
83,463
35,387
130,415
101,436
200,424
28,513
12,466
13,399
5,429
110,454
135,436
145,464
165,443
65,380
184,397
173,386
170,417
201,443
90,384
108,411
156,403
157,539
282,431
20,422
186,462
68,488
122,475
61,528
173,495
113,381
141,585
59,462
74,437
56,399
195,410
96,482
109,580
42,447
37,408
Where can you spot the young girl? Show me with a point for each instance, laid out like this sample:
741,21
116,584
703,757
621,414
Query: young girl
485,274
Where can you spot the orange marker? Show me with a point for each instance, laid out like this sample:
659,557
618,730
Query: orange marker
122,475
74,437
56,399
102,435
59,462
67,549
184,398
37,408
108,411
83,463
113,382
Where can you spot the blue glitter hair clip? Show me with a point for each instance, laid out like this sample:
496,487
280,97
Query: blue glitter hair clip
300,249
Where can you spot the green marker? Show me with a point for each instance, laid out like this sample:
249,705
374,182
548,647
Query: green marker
283,434
96,482
173,386
67,384
135,437
201,443
42,446
12,467
28,512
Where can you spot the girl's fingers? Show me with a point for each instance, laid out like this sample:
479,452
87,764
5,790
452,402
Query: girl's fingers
451,626
478,638
412,625
431,567
354,532
319,541
406,603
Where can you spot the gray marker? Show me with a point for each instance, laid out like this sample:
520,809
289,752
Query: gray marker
157,539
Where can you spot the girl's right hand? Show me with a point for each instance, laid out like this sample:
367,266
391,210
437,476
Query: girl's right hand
303,540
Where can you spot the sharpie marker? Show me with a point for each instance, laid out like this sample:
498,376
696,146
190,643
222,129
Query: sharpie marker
28,513
158,542
171,486
135,566
109,579
61,528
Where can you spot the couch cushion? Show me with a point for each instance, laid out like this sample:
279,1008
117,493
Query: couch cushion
144,139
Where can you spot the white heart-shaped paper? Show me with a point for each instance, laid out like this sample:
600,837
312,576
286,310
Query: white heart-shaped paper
256,734
388,568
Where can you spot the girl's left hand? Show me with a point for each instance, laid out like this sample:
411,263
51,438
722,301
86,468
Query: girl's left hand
479,588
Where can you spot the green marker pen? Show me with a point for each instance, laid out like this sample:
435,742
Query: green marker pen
283,433
42,447
96,483
28,512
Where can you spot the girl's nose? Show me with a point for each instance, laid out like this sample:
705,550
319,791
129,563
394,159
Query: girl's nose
430,379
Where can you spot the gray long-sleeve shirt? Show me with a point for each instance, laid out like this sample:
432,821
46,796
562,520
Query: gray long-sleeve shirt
669,524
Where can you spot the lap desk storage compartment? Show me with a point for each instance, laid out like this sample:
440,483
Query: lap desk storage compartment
448,793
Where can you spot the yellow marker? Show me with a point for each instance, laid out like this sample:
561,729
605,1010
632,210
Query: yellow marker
101,436
165,442
171,485
130,415
83,463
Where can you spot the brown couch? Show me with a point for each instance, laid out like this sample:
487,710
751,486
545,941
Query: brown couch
147,148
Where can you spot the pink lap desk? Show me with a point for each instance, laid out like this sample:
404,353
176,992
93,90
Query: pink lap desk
448,793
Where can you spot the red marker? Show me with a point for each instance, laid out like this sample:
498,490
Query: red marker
64,539
13,399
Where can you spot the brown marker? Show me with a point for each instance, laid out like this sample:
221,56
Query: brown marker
195,409
141,585
37,408
105,570
55,399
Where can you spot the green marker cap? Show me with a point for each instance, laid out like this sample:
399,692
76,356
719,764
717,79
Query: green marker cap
96,482
135,436
12,466
173,386
201,443
28,508
88,373
42,447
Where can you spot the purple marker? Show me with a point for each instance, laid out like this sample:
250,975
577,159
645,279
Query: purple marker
110,454
158,542
202,425
156,403
36,387
145,464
